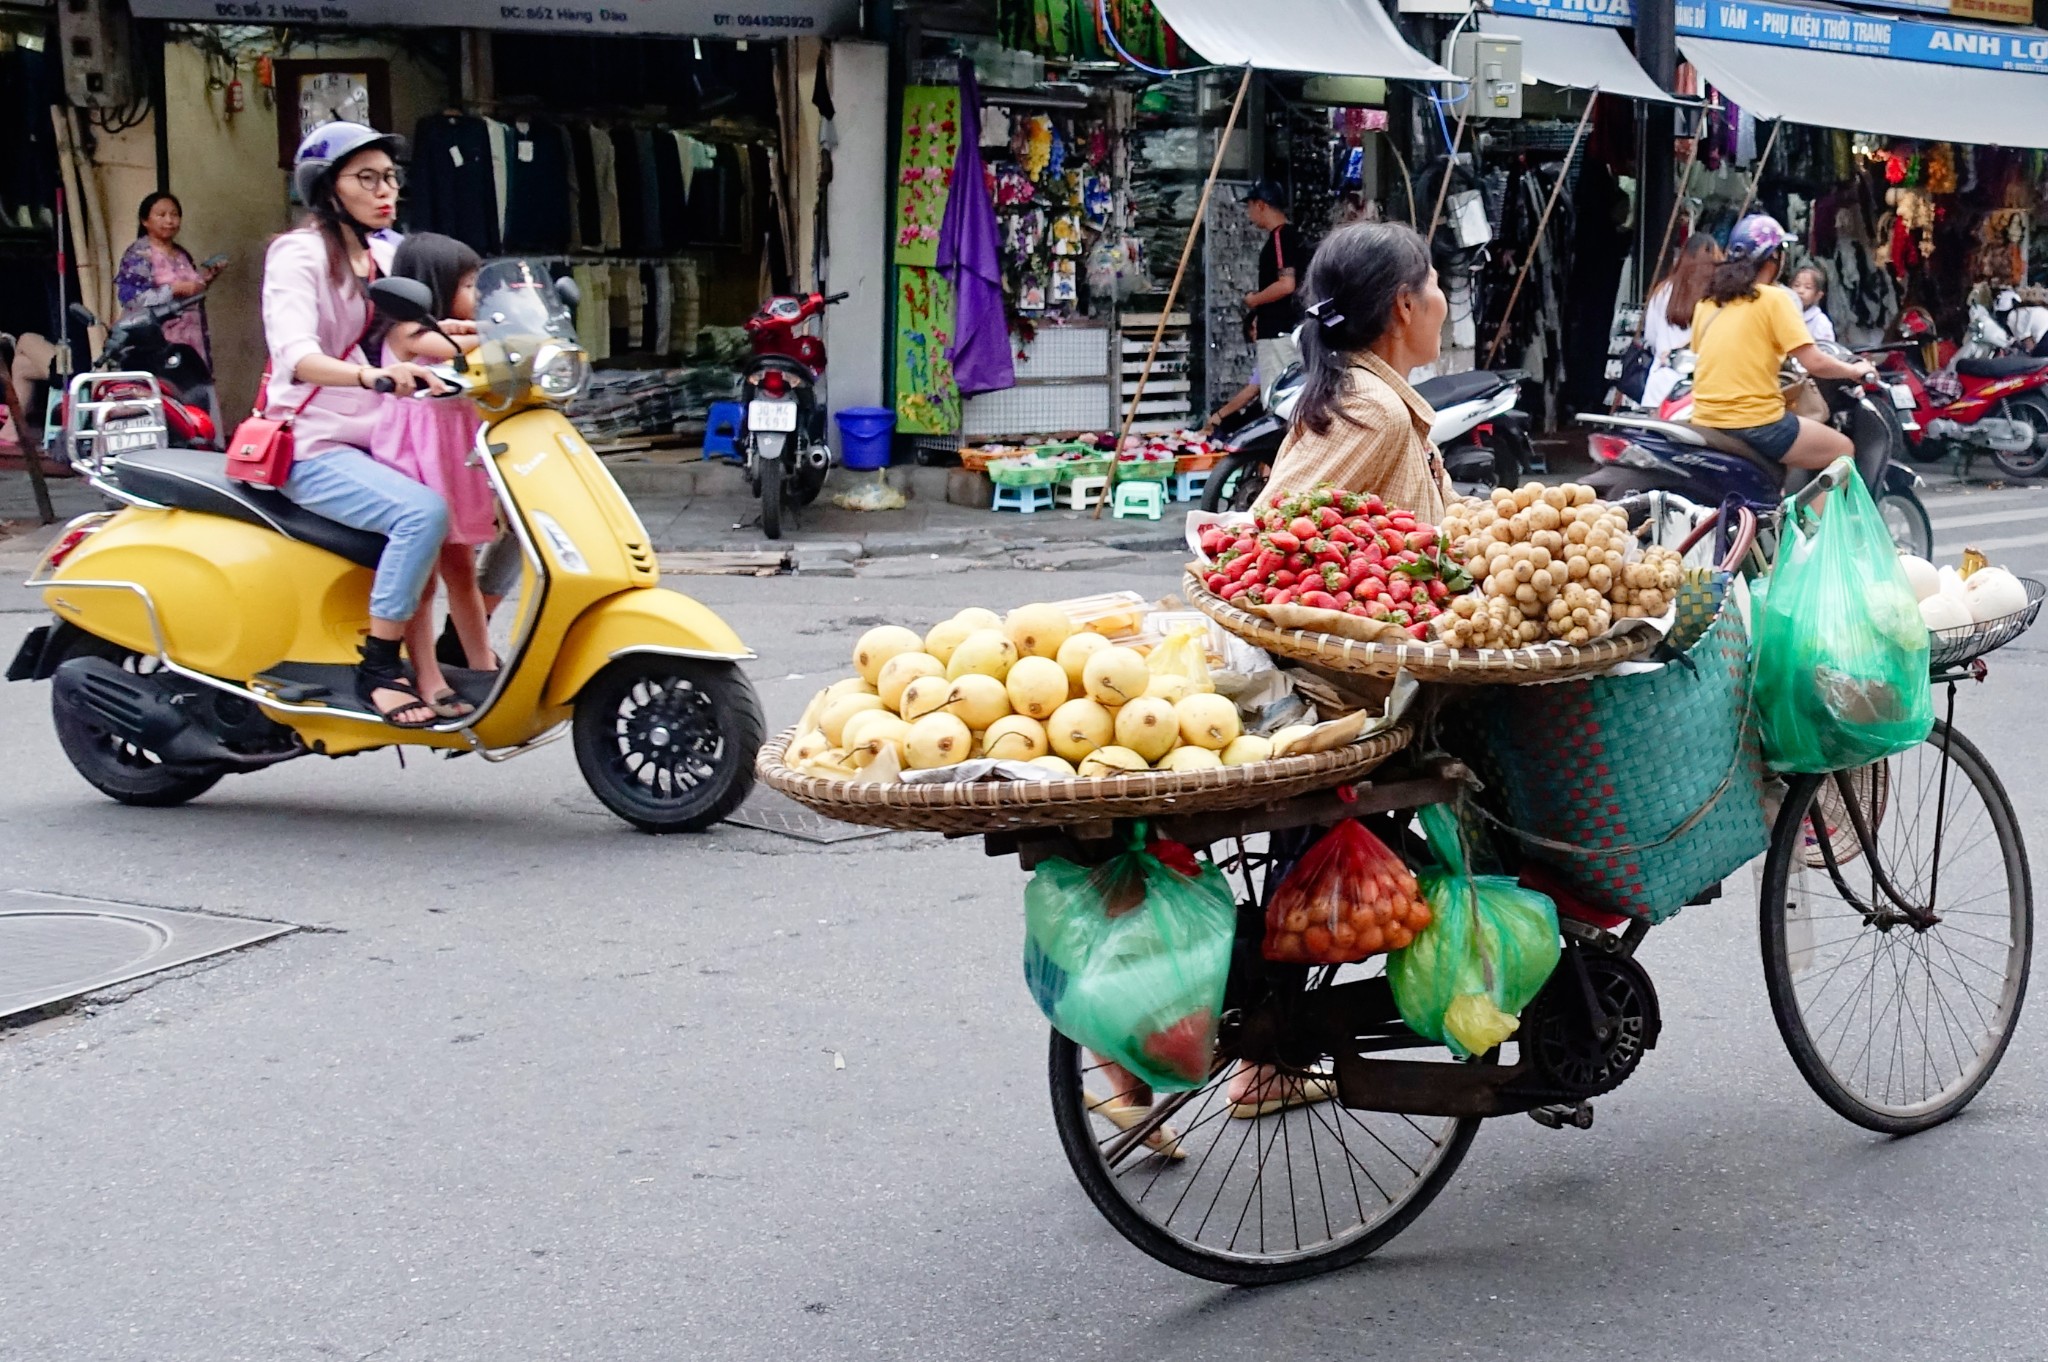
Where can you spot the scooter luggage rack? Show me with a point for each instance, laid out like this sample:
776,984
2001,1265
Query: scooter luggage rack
89,409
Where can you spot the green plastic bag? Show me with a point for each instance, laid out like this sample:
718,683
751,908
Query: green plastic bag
1129,958
1489,948
1841,650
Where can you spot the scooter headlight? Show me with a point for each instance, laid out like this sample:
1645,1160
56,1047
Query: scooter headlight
560,371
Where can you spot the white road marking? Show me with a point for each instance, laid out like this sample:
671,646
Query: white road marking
1987,518
2026,541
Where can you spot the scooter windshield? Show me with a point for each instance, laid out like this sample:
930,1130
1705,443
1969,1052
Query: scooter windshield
521,319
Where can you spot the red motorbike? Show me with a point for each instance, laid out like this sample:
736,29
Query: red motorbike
1975,402
783,432
142,392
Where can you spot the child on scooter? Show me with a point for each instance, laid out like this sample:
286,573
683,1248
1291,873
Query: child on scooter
430,440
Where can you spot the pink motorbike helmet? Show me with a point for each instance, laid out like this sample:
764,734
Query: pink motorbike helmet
1757,237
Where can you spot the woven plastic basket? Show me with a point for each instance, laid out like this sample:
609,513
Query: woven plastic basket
993,806
1013,473
1423,661
1640,791
1144,470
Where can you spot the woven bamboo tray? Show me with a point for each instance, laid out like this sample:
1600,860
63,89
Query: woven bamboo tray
1423,661
994,806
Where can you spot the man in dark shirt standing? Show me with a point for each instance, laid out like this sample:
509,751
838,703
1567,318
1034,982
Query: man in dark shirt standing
1275,308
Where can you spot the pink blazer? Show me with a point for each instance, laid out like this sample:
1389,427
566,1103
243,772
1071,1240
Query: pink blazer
304,313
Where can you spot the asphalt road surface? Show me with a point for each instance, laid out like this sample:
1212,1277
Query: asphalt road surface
532,1085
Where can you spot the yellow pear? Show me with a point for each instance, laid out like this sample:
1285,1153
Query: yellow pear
1169,687
1079,727
1038,630
1112,761
852,685
1115,676
923,696
976,700
1208,721
1191,759
1037,686
1058,766
899,671
1247,748
880,644
1147,727
868,734
1016,738
936,740
833,720
1074,655
810,745
979,617
861,726
945,637
987,651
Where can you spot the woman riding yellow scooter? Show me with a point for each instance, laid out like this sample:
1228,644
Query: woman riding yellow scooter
211,626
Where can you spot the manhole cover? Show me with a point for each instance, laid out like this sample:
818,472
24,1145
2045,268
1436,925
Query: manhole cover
53,947
768,811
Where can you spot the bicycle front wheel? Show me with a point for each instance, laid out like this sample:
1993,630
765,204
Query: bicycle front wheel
1897,918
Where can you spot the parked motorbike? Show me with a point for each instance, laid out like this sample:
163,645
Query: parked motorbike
1483,436
784,430
1981,401
1705,466
210,627
137,361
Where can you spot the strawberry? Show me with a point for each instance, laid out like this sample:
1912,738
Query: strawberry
1301,527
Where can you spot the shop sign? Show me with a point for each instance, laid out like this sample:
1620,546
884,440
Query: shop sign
675,18
1816,30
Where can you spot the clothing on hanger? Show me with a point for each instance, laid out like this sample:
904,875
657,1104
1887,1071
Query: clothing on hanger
537,202
668,165
604,164
650,190
452,190
632,191
501,155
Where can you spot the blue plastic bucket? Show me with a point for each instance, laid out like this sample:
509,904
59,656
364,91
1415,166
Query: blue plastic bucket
864,434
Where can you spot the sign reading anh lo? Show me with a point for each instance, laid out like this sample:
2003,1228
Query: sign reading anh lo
674,18
1817,30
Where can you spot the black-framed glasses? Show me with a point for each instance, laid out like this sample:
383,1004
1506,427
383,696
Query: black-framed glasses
372,180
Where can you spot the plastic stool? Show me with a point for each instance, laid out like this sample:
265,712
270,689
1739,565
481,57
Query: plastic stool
1024,500
1189,486
1134,499
722,430
1082,493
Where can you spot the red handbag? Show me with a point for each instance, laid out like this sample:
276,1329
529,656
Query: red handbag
261,449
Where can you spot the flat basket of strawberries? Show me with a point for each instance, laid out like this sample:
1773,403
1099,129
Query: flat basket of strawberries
1346,581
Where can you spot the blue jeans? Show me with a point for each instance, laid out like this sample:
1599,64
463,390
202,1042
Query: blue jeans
349,486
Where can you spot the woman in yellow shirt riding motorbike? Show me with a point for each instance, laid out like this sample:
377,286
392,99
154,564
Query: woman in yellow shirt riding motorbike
1741,331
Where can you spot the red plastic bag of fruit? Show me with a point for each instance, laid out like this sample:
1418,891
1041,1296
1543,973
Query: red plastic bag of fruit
1347,898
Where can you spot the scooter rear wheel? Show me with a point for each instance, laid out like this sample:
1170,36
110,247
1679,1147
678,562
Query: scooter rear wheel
771,497
668,743
114,766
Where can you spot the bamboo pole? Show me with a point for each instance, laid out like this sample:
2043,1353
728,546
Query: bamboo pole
1443,189
1542,225
1187,251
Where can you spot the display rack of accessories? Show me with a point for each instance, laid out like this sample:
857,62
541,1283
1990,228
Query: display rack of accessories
1525,162
647,216
1230,269
1171,148
1168,401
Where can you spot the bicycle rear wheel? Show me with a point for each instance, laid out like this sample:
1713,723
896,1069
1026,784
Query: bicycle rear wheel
1897,919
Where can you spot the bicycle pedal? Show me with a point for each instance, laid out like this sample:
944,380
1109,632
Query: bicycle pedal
1579,1116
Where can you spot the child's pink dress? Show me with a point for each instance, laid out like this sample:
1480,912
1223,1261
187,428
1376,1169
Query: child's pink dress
429,439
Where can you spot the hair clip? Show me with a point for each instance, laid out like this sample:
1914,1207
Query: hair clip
1325,314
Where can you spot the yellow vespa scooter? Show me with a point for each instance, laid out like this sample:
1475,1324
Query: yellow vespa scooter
209,627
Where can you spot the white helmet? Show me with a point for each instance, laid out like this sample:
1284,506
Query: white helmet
326,147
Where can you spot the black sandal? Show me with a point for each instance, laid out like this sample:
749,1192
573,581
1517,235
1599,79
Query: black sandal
380,670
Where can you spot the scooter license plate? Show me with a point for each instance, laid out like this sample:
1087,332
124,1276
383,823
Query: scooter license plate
771,415
128,432
1902,396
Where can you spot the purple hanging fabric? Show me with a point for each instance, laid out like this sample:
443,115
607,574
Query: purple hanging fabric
969,257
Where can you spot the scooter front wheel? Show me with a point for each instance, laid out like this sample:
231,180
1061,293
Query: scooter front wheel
668,743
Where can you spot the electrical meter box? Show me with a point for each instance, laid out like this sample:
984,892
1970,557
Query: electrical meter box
1493,65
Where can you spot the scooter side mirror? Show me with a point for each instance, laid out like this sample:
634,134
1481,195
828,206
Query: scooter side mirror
566,290
82,315
403,300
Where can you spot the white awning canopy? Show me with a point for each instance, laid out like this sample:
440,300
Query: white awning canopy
1877,94
1320,37
1577,56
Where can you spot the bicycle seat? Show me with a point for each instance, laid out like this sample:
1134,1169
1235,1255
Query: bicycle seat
196,480
1451,389
1999,366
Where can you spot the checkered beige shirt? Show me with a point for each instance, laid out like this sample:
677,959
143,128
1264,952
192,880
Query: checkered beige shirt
1379,442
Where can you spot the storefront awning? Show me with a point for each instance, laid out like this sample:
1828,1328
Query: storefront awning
1321,37
1876,94
1578,56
